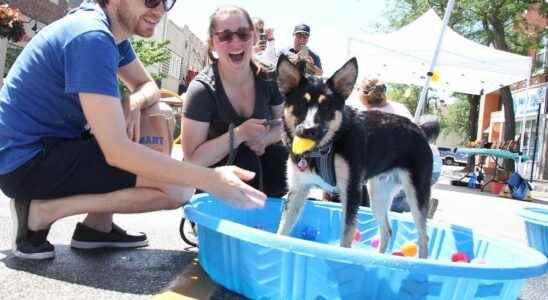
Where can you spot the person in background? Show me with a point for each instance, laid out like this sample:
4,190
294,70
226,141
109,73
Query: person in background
233,108
265,48
65,146
300,51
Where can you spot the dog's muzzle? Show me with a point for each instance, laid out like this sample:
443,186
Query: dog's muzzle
313,133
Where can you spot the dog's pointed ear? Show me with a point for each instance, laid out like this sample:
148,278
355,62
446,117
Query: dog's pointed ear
344,79
289,75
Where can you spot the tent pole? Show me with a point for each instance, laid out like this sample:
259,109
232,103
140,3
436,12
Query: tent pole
422,98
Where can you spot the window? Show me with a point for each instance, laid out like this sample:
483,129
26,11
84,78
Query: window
175,65
12,52
539,66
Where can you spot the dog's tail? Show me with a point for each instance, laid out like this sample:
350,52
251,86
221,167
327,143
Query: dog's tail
430,125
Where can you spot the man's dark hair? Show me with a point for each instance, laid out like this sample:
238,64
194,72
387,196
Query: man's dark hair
103,3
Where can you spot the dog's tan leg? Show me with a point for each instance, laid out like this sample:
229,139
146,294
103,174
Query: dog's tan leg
381,192
342,173
418,216
292,209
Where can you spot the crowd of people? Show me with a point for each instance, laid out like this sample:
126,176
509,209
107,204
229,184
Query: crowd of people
69,141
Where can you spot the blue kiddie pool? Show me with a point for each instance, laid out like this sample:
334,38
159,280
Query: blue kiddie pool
536,225
240,250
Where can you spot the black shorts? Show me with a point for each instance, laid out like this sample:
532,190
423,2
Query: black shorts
66,167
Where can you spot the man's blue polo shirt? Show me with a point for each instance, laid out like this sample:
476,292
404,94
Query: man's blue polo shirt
39,98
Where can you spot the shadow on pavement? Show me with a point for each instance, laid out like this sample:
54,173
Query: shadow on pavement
460,189
140,271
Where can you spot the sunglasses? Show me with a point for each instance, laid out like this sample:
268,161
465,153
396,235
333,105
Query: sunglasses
168,4
226,36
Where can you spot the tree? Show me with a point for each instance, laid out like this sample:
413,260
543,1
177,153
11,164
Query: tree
473,118
405,94
496,22
150,52
457,112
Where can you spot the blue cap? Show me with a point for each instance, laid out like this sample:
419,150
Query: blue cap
302,28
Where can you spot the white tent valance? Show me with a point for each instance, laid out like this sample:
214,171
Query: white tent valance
463,66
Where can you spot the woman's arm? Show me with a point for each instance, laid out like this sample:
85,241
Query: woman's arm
196,148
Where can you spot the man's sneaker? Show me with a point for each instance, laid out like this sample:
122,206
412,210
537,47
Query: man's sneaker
25,243
85,237
35,246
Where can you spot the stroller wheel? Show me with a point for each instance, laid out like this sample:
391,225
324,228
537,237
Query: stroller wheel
188,232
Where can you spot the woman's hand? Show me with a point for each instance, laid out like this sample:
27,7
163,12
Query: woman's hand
258,146
251,129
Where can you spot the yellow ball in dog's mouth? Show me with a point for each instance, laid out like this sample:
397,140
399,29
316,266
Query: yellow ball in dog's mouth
301,145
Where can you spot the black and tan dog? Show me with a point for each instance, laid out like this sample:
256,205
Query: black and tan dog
363,146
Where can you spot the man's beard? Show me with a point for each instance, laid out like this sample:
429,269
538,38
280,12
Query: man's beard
124,20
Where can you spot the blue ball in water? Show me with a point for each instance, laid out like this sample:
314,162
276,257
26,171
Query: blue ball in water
309,233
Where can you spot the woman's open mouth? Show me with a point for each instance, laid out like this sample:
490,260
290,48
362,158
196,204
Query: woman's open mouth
236,57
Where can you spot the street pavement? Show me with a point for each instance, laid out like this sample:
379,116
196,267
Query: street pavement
139,274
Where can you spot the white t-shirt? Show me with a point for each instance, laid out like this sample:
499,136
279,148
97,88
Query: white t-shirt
393,108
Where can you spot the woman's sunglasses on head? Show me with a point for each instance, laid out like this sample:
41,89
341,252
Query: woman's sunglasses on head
168,4
225,36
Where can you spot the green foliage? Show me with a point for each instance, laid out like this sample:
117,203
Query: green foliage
406,94
409,95
150,52
456,119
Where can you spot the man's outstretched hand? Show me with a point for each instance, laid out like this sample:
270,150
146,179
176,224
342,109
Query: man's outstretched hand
228,184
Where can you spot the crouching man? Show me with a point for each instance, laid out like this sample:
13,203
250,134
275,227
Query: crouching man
66,147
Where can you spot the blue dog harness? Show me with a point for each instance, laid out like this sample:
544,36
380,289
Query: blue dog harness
323,161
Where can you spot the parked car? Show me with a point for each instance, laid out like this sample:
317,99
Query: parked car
452,157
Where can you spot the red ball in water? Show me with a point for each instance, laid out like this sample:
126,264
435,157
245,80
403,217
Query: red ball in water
357,236
460,257
397,253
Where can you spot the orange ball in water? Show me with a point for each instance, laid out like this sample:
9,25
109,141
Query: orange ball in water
409,249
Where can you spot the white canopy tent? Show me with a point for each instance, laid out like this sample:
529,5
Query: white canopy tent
463,66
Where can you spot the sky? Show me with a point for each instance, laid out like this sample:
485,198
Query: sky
332,22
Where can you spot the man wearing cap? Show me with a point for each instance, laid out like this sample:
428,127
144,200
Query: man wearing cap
301,33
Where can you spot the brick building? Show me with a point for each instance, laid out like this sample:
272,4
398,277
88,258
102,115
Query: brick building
188,54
